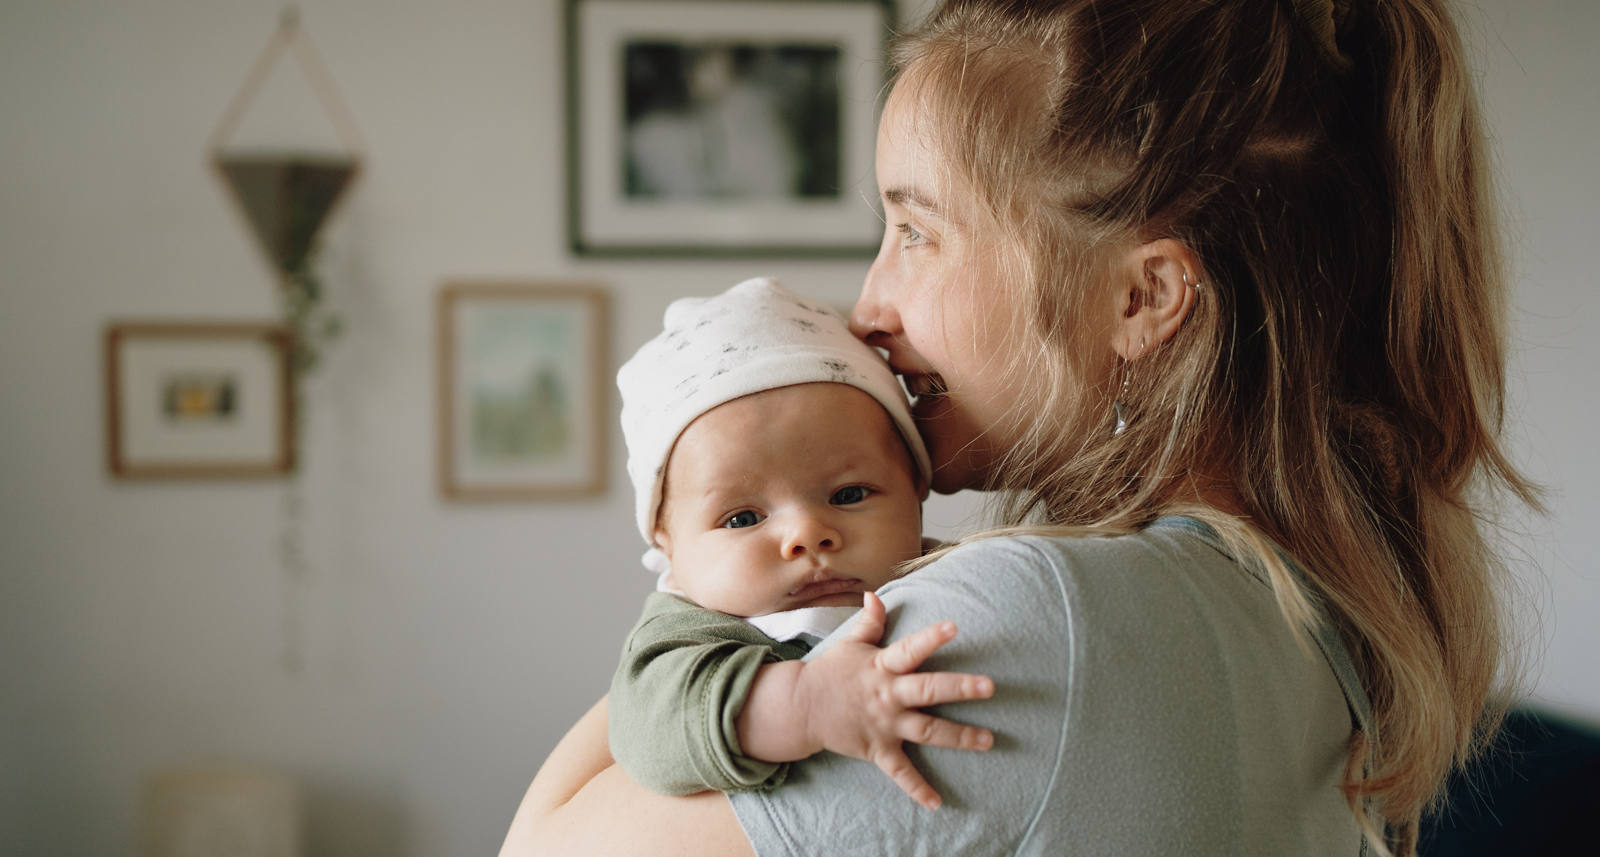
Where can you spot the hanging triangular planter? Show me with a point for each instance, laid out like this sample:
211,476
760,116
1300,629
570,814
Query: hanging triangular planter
286,198
287,195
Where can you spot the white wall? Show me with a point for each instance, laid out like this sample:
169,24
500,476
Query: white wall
144,625
1539,70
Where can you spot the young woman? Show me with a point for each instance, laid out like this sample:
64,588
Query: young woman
1212,292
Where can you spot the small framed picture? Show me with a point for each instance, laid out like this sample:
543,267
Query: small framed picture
523,391
198,400
724,127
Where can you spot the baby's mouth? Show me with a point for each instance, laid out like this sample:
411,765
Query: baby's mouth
823,588
920,386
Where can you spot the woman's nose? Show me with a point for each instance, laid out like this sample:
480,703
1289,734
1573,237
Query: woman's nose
809,534
874,319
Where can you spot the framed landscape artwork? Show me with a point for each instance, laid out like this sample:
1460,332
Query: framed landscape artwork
724,127
198,400
522,390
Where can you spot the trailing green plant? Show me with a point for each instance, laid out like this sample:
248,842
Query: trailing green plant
312,326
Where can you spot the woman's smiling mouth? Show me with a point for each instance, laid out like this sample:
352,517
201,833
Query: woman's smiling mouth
919,386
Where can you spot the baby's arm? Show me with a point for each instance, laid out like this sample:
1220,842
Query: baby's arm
683,677
859,700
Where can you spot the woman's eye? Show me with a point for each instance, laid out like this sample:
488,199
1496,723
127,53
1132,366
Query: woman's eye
739,520
909,236
849,495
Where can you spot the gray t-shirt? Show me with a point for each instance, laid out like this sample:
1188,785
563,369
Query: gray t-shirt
1150,699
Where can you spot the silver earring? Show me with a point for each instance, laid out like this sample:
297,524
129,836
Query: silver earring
1194,285
1118,407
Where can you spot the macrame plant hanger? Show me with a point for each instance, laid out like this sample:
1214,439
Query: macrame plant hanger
286,196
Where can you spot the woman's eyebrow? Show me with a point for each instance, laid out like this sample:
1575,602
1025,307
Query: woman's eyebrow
904,196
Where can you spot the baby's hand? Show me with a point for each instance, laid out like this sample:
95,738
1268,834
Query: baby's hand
862,701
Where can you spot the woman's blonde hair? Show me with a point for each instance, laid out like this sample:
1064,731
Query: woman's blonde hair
1342,369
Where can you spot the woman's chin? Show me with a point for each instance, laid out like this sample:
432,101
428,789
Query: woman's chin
959,475
959,451
958,465
946,483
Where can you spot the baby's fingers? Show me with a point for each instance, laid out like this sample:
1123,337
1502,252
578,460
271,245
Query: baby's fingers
899,768
908,654
920,690
868,625
938,732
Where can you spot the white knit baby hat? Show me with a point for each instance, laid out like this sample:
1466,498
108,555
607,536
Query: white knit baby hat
756,336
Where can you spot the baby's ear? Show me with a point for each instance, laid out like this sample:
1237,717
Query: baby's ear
663,542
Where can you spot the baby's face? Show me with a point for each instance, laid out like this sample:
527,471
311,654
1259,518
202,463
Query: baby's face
801,496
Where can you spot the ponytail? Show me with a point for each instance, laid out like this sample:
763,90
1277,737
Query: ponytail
1445,344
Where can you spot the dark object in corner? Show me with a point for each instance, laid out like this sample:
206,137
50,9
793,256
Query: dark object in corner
1535,793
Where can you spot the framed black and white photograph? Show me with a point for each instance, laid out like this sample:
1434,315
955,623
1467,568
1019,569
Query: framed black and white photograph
724,127
198,400
523,389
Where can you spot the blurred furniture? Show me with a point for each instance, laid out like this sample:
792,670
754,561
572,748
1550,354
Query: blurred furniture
221,813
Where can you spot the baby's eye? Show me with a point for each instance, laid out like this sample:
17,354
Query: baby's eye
849,494
740,520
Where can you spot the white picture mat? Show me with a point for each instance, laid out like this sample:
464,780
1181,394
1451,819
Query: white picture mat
609,217
557,333
254,433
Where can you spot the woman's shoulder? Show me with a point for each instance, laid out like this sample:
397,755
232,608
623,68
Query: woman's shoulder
1071,564
1170,593
1059,596
1171,535
1126,669
1166,645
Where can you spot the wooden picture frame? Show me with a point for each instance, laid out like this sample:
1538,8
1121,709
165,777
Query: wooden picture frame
198,400
524,391
724,127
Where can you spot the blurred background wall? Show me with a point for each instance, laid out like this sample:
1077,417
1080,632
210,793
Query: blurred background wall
148,625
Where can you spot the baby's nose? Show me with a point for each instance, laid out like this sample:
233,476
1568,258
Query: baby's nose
810,536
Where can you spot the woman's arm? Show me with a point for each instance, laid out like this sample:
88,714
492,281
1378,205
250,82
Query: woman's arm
580,755
612,815
580,803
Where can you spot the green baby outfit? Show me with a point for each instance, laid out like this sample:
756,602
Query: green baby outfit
677,693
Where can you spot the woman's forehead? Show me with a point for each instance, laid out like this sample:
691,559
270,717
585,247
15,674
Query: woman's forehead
913,171
908,160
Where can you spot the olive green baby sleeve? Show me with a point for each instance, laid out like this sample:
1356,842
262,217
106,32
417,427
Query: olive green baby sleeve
675,699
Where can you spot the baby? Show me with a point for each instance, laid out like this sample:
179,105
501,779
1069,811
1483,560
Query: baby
779,481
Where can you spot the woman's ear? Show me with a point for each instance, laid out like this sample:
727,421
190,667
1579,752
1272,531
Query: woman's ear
1155,291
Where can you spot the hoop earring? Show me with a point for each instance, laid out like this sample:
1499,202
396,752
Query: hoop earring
1119,407
1196,285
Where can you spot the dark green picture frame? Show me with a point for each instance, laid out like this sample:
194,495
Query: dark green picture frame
798,81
